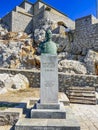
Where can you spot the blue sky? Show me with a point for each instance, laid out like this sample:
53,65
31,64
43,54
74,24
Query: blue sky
72,8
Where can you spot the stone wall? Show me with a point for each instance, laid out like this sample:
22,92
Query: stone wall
7,20
21,22
29,8
55,16
65,80
48,18
39,18
86,33
68,80
33,76
18,9
38,7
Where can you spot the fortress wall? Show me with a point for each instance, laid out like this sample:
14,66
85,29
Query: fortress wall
38,20
38,7
7,20
21,22
29,8
54,16
65,80
86,33
41,15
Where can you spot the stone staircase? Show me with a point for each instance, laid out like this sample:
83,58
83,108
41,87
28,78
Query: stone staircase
83,95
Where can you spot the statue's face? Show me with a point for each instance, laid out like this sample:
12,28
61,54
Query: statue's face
48,35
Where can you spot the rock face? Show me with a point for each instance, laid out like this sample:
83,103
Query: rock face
71,66
9,53
16,55
12,82
19,51
3,30
91,60
39,35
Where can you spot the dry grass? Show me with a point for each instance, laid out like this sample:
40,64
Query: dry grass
18,96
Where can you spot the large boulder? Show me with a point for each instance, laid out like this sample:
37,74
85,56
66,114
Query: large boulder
12,82
71,66
19,82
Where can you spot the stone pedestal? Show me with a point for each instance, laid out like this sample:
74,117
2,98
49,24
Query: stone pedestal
49,113
49,82
49,107
49,79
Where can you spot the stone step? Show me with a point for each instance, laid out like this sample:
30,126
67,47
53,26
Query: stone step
49,113
82,98
80,91
70,123
82,88
83,101
84,95
47,124
53,114
48,106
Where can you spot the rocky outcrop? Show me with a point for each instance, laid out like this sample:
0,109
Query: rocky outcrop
16,55
12,82
91,60
3,30
19,51
72,67
9,54
15,36
39,35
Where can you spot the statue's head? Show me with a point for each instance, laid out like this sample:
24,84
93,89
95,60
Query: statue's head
48,46
48,35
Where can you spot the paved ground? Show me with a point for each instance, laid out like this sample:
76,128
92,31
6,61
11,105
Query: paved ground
87,116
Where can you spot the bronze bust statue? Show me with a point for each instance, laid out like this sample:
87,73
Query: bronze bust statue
48,46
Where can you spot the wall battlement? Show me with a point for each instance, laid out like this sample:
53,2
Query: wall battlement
85,22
